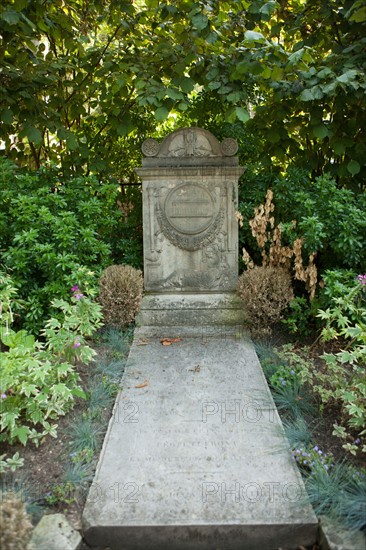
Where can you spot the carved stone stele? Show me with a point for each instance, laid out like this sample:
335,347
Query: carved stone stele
189,198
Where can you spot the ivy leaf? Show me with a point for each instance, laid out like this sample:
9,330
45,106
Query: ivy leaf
353,167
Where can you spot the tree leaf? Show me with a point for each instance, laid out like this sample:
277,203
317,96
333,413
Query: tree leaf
339,147
295,57
347,77
7,116
359,16
253,36
34,135
10,16
200,21
353,167
320,131
242,114
174,94
187,84
161,113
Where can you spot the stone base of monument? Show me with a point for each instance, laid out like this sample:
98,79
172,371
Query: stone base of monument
195,456
174,309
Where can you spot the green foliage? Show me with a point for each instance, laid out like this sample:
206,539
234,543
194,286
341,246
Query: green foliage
78,82
299,317
12,463
85,434
344,380
297,432
38,381
284,376
339,492
311,458
63,493
55,233
294,400
331,218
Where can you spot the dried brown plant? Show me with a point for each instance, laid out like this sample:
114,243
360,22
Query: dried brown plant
15,525
266,291
274,253
120,294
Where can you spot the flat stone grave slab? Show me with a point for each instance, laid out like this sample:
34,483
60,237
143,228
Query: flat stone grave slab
195,456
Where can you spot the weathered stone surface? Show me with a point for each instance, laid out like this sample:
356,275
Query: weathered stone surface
54,532
189,198
225,309
195,456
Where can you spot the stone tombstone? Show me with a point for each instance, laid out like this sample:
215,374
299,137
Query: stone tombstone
190,184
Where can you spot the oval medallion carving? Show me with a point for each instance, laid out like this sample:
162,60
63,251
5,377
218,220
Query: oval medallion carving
189,208
189,217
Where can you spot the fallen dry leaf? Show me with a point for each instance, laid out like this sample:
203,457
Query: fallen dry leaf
143,385
142,342
170,341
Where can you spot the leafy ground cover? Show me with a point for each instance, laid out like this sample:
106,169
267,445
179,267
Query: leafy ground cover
55,476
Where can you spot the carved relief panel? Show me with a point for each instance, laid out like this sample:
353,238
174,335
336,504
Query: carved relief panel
189,196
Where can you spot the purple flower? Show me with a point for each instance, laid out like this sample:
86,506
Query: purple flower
3,396
357,441
75,288
362,279
316,448
320,452
283,382
292,372
78,296
77,342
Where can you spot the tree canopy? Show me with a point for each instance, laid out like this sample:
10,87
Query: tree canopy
80,80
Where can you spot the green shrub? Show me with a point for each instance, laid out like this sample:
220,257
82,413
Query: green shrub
38,381
265,291
340,493
55,233
344,381
120,294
